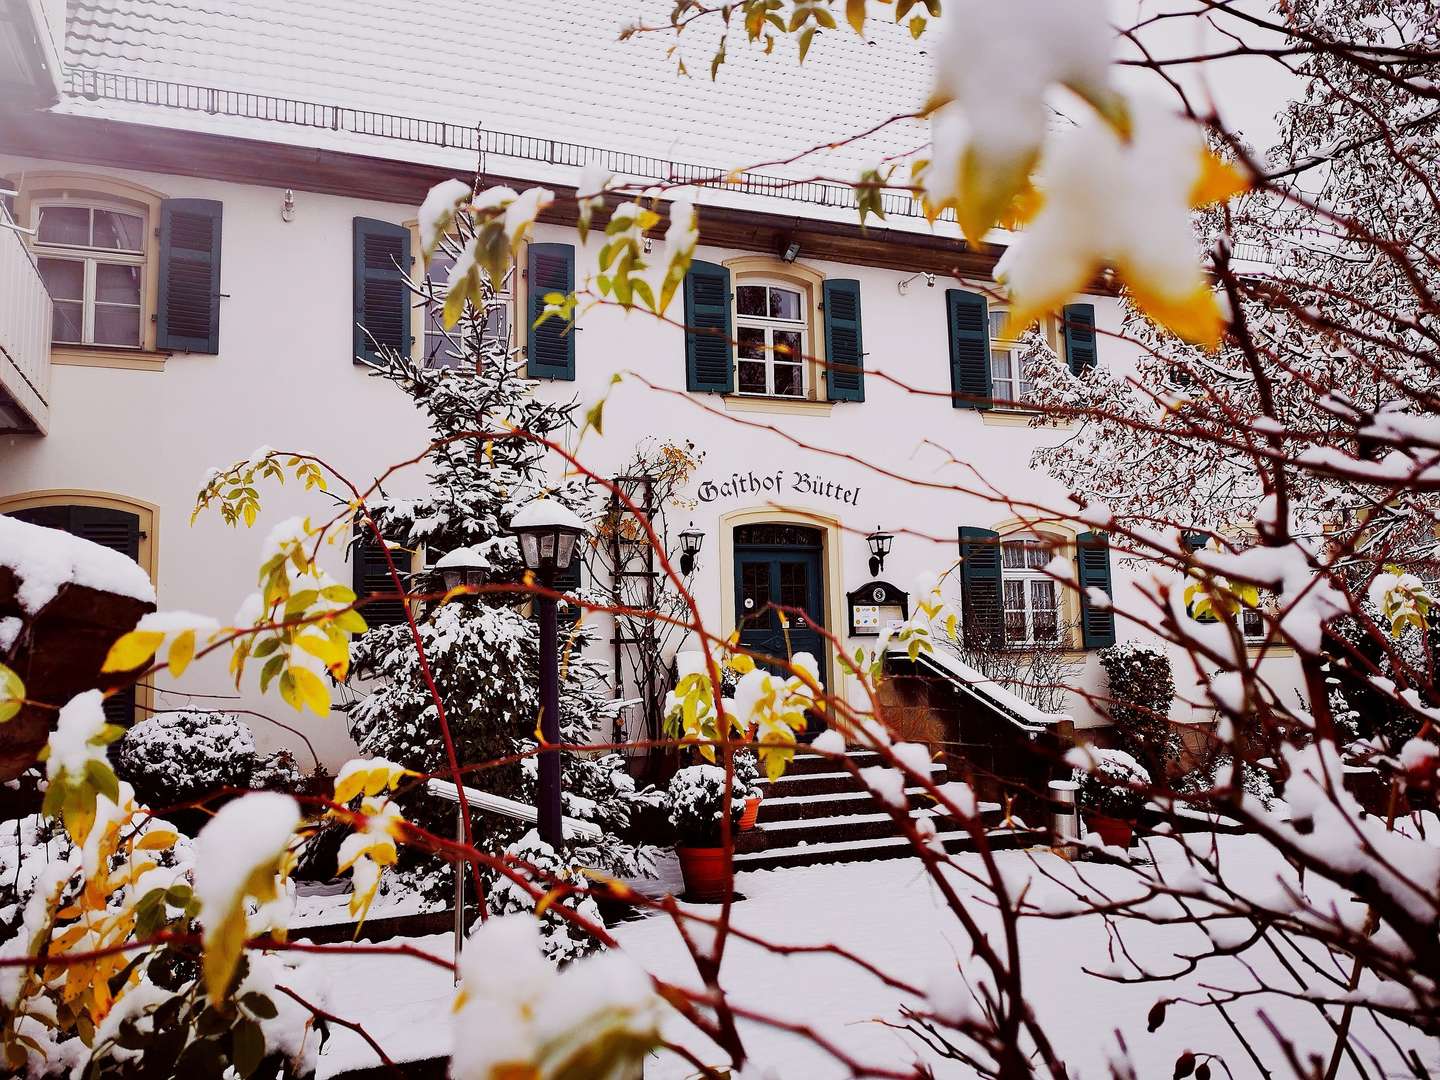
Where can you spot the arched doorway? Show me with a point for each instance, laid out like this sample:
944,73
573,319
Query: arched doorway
779,566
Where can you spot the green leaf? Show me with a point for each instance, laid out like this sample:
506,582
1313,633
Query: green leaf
103,779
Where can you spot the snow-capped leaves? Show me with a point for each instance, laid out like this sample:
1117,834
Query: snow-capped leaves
1108,201
517,1016
181,628
622,261
502,221
367,776
76,767
367,851
1402,598
777,706
437,214
239,856
995,64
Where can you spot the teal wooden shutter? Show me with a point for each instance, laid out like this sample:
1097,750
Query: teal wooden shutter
844,348
709,357
968,317
550,347
187,312
381,290
984,622
1092,559
370,576
1080,348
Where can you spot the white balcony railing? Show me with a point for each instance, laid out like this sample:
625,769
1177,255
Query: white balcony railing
24,336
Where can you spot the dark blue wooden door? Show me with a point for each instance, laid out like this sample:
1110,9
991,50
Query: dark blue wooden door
778,568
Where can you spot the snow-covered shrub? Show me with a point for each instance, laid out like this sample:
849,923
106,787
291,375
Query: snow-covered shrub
1141,691
561,940
176,757
747,774
1108,781
1219,774
695,803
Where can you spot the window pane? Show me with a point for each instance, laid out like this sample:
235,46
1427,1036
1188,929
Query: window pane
1014,554
794,586
1003,390
497,327
785,304
1042,595
439,353
750,300
787,345
123,232
64,225
1253,623
997,322
1037,555
1014,595
752,342
68,319
117,325
116,283
64,278
788,382
1000,363
752,377
1015,626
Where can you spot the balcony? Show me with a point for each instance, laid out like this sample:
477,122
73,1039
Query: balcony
24,337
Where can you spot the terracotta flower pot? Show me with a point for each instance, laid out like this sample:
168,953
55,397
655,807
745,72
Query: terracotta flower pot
1116,832
704,872
752,811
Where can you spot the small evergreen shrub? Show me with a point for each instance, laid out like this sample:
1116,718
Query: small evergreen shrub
1141,691
747,775
695,803
1109,787
178,757
561,939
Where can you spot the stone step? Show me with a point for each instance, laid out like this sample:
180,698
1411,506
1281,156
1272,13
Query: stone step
883,847
848,824
805,763
829,782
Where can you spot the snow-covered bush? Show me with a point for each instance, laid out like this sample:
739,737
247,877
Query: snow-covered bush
560,939
695,804
1111,782
176,757
1141,689
747,774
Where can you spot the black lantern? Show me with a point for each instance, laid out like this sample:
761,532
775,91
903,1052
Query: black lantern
463,566
691,540
879,548
549,537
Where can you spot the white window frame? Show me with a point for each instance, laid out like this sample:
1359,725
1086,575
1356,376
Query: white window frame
1027,575
800,325
1015,397
432,309
91,257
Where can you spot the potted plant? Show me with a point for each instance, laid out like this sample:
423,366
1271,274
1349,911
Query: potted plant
747,781
695,802
1111,794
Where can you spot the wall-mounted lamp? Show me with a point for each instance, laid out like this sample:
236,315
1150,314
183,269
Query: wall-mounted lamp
649,245
791,251
879,548
691,540
903,287
287,206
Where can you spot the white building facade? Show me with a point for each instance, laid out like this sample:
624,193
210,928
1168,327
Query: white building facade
201,231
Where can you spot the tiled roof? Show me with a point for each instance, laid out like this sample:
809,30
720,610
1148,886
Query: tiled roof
551,71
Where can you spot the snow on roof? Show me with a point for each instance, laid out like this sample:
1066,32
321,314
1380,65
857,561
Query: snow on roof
45,559
966,677
554,71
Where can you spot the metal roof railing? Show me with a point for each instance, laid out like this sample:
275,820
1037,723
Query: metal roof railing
96,85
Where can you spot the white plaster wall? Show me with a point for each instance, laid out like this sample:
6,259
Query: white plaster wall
284,378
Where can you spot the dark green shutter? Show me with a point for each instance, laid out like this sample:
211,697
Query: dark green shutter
984,622
382,291
187,314
550,347
117,530
1092,558
370,576
968,318
1080,350
709,358
844,348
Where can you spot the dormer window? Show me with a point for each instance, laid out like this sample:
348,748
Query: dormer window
770,333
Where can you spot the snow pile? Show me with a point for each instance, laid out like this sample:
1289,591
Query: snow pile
517,1016
44,560
74,739
245,838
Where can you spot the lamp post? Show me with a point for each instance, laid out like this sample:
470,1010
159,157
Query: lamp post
879,548
463,566
549,535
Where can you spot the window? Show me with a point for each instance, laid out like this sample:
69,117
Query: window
1010,375
92,259
441,348
1032,607
771,327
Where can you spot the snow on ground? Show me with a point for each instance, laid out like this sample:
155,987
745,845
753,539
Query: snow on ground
889,912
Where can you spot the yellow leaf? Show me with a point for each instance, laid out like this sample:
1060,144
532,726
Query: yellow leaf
133,650
182,651
1195,318
1218,181
156,840
12,693
855,15
311,690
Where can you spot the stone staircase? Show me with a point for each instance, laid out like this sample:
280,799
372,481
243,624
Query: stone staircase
820,813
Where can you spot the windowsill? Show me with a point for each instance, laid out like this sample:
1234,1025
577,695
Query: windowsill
1016,417
742,403
1274,650
104,356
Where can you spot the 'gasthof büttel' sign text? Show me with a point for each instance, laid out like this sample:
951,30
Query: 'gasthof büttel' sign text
781,481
